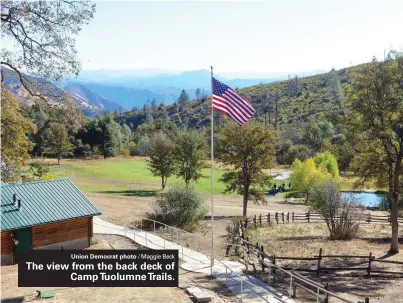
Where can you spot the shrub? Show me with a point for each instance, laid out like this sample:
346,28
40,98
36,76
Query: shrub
38,168
180,206
341,214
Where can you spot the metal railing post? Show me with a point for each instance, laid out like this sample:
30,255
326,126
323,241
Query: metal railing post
154,227
226,275
317,296
290,293
125,231
141,224
182,252
269,272
241,289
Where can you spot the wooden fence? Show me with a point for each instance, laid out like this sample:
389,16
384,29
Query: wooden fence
271,262
307,217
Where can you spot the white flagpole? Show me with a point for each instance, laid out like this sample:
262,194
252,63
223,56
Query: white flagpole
212,176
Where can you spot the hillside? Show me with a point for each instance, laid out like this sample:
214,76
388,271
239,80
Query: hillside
283,105
91,97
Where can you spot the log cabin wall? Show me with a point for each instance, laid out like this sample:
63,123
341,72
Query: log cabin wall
7,248
7,243
69,234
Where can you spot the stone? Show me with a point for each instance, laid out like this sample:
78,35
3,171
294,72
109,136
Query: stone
191,290
202,296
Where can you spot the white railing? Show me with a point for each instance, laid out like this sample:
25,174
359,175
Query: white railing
228,270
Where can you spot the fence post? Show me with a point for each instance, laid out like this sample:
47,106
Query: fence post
282,217
292,217
366,300
254,222
274,263
308,215
268,218
276,215
369,264
326,299
260,220
288,217
319,261
369,218
246,222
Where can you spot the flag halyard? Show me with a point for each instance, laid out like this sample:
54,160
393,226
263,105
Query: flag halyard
228,102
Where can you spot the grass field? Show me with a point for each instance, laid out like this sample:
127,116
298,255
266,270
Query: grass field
124,175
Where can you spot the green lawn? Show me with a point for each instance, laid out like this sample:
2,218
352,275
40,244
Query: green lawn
115,175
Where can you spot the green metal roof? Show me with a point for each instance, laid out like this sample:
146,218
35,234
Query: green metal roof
43,202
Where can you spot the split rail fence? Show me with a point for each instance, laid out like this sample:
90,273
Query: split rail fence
307,217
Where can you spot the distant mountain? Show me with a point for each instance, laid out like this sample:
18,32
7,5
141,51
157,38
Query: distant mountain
51,92
130,97
92,98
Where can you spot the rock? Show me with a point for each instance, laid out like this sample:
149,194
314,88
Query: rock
191,290
202,296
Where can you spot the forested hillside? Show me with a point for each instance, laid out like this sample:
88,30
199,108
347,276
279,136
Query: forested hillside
307,114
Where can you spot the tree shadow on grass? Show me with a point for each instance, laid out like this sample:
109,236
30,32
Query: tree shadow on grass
132,193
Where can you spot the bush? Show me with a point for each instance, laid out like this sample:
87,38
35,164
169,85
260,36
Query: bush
38,168
128,150
180,206
341,214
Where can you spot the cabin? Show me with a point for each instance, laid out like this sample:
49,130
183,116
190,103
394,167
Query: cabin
44,215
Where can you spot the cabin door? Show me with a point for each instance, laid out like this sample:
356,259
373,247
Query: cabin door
24,237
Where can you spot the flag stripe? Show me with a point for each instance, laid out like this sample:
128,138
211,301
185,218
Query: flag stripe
235,102
241,101
239,112
230,110
225,112
228,102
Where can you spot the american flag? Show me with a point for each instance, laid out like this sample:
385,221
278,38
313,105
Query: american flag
228,102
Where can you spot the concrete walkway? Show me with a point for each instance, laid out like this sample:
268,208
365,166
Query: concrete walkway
232,276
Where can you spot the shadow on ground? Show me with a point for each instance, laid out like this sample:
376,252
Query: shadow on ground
13,300
132,193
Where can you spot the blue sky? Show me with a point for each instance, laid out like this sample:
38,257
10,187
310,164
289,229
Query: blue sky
261,36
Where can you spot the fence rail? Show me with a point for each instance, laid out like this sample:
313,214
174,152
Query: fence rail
295,280
308,217
228,271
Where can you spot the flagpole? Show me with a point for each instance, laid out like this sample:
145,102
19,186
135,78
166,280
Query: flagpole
212,176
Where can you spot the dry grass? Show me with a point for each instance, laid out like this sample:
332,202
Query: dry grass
11,293
304,240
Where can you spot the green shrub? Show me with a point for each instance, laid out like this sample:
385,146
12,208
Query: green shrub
180,206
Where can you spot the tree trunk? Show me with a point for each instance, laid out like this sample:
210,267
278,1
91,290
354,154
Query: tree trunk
246,187
245,201
394,245
58,159
163,182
